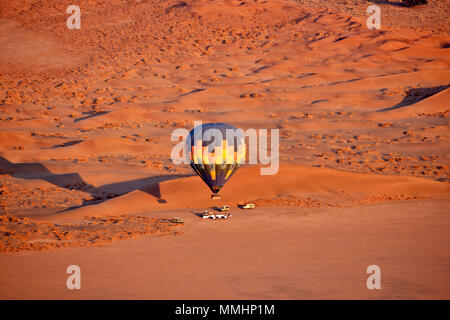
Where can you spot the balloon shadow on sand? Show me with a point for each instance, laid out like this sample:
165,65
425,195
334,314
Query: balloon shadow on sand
415,95
73,181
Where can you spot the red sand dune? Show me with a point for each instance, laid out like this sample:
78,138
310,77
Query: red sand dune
86,118
248,185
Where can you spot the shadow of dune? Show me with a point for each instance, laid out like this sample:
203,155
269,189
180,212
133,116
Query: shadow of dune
344,81
91,115
387,2
414,96
177,6
404,3
306,75
36,170
67,144
73,181
191,92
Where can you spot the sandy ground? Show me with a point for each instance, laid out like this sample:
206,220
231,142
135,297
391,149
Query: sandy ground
86,117
432,17
281,253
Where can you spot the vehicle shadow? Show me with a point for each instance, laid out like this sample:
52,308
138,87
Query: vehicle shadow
198,214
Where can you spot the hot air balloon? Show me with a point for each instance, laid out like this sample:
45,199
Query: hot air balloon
215,151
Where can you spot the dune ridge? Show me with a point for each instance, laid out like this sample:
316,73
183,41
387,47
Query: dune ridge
248,185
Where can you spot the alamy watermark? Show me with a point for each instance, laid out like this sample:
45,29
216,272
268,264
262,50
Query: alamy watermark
74,20
256,148
374,20
74,280
374,280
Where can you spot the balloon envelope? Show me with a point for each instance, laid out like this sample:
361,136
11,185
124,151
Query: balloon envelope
215,151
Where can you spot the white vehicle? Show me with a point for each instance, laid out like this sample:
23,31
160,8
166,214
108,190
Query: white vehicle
208,214
224,208
248,206
223,216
